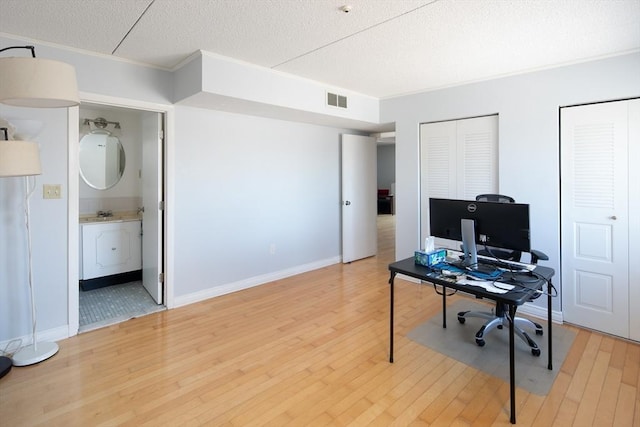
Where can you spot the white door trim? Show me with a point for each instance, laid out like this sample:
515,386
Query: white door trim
73,196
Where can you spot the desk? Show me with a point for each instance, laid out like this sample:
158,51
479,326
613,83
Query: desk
511,299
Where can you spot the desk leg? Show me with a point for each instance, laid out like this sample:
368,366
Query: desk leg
391,280
512,367
549,323
444,306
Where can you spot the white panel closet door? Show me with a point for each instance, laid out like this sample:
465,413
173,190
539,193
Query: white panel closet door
595,193
458,160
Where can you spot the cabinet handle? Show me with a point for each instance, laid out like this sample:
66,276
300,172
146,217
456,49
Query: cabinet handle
613,217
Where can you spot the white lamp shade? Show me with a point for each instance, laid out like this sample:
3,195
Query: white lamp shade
19,158
35,82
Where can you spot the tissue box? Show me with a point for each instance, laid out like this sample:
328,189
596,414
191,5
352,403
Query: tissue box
430,258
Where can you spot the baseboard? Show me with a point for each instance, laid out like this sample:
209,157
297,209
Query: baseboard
114,279
540,312
228,288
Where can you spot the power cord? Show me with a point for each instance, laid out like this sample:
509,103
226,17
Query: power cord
16,344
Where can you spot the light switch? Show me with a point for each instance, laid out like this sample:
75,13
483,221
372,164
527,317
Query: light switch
52,191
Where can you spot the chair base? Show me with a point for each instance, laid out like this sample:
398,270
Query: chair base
500,321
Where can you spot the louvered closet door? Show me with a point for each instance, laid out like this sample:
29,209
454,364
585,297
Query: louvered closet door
478,150
595,218
458,160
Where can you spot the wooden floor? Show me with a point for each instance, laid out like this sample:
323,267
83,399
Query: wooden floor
308,350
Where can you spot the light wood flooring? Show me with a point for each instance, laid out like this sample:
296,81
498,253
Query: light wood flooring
307,350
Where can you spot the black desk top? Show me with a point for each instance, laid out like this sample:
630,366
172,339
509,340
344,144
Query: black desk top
516,296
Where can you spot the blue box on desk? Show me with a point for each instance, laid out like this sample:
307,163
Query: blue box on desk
430,258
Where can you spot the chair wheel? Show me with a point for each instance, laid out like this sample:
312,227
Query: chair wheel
480,342
535,352
499,326
462,320
539,332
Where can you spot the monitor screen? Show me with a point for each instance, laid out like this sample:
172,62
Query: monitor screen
501,225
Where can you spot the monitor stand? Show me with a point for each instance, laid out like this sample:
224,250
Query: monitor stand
470,253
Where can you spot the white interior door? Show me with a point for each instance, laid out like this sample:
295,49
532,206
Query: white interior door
359,197
152,190
595,216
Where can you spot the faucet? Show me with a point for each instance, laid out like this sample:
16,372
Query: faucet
104,214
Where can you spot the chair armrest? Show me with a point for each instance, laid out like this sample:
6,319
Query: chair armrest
537,255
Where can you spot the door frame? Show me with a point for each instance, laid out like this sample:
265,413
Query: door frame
73,193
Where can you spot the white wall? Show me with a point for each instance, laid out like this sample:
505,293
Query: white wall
244,184
528,106
48,228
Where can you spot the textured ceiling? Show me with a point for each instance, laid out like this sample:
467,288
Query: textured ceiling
381,48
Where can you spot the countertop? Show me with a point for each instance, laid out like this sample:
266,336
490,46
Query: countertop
116,217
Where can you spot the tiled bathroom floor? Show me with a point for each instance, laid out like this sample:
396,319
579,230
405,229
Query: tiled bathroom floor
113,304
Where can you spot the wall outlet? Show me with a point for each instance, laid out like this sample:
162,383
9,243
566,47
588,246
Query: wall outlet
52,191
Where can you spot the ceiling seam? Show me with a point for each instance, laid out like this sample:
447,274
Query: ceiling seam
132,27
353,34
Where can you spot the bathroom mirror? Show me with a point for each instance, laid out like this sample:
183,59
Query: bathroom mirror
102,160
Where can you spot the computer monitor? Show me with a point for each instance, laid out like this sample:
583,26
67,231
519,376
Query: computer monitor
500,225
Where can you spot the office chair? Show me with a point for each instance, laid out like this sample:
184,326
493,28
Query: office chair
498,319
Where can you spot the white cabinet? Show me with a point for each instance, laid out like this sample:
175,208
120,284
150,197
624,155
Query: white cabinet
110,248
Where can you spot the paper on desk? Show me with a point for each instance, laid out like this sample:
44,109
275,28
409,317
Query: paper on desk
489,286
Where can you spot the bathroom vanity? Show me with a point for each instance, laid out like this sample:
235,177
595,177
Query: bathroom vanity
110,250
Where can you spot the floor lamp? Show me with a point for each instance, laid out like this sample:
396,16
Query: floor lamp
39,83
22,159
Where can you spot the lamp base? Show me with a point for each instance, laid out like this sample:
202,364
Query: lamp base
29,355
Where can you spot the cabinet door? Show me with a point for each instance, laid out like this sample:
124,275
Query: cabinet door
111,249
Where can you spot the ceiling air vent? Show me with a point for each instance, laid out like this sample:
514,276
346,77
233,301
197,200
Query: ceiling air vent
336,100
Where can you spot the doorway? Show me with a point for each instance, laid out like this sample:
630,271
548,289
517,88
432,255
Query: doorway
143,289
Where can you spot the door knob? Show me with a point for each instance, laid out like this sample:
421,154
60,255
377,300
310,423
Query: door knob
613,217
347,203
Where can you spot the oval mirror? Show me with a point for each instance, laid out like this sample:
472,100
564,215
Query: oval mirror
102,160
